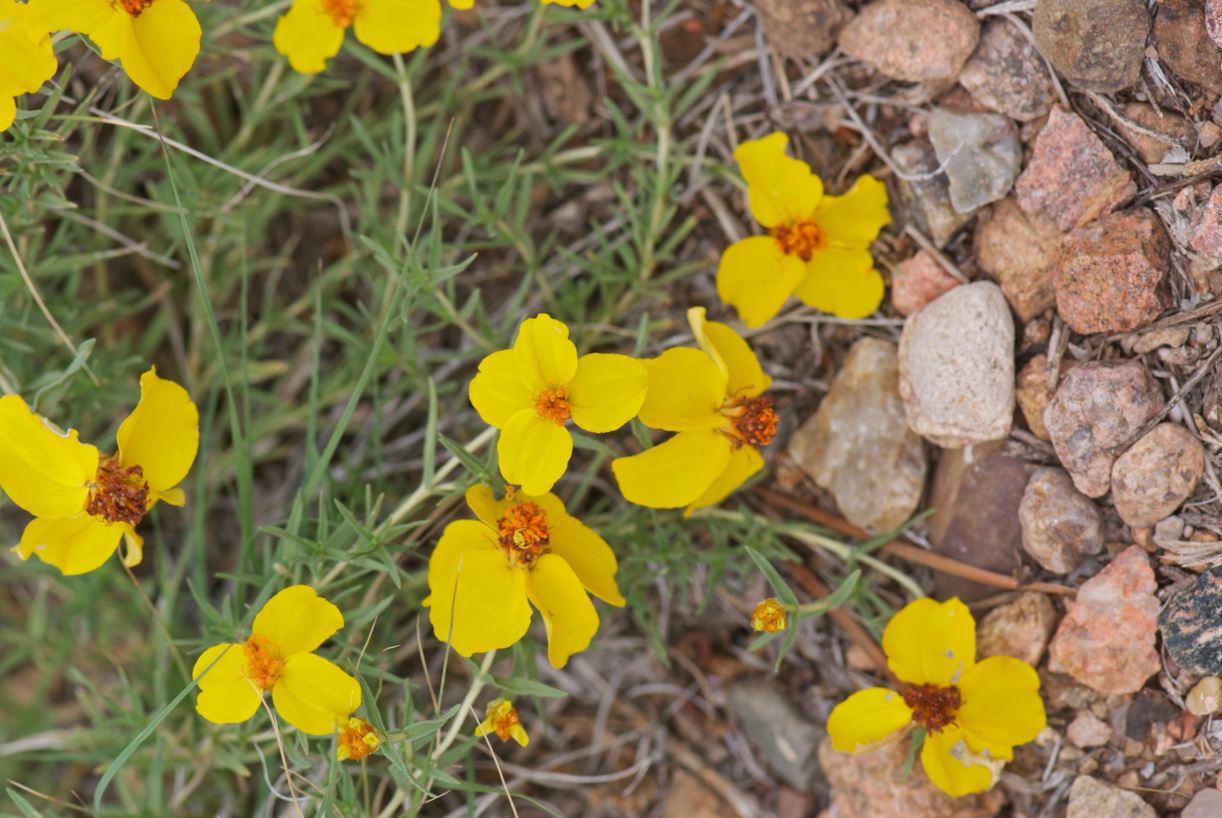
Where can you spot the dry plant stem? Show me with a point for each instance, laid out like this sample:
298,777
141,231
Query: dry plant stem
910,553
842,617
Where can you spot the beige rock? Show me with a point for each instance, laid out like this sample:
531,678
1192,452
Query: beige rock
1087,731
1020,628
803,30
1156,475
1205,697
1060,524
894,37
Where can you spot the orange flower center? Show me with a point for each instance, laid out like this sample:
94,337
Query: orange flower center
933,707
357,739
133,7
553,404
504,719
524,533
801,239
117,494
263,662
343,12
754,421
769,617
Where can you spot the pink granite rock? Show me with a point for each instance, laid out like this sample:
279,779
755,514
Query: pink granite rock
1206,235
917,281
1098,406
1112,274
1006,74
1072,177
1106,640
913,40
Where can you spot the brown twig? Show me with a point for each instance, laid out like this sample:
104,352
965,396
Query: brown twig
910,553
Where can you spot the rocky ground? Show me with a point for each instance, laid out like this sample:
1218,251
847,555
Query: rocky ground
1052,393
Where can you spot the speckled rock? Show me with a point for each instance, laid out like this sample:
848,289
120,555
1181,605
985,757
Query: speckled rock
1177,132
1106,640
918,280
1087,731
1189,625
1205,804
1089,798
1205,237
976,493
1095,44
1156,475
1018,249
924,197
957,367
1099,405
1006,74
1020,628
894,37
858,445
1181,40
803,30
1112,274
875,785
1060,524
981,153
1072,178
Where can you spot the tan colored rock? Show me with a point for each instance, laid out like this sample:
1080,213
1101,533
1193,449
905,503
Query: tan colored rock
1154,477
1205,698
1072,177
1176,131
1180,37
1060,524
803,30
894,37
1006,74
1018,249
1087,731
1089,798
1020,628
1034,392
1106,640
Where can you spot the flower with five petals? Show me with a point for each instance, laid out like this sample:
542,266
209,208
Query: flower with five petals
817,247
84,502
711,396
310,693
312,31
486,573
974,713
531,391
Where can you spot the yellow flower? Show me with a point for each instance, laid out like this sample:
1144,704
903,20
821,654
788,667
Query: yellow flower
522,550
769,616
974,713
84,502
312,31
530,392
157,41
309,692
501,720
28,59
581,4
357,739
817,246
712,397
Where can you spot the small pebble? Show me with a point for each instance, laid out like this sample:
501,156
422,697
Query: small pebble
1087,731
1205,697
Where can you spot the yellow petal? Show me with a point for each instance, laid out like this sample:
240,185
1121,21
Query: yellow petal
307,36
297,620
930,642
943,756
497,390
8,111
162,435
546,357
476,602
518,733
133,553
686,391
160,46
226,696
112,34
41,470
1001,702
314,695
398,26
86,16
744,462
461,5
854,219
75,545
841,282
29,60
587,553
607,391
533,451
485,506
745,377
756,278
581,4
867,718
566,608
675,473
779,188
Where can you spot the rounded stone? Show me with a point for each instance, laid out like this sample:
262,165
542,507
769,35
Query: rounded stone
957,367
1096,44
1060,524
1205,697
1160,471
1088,731
898,38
